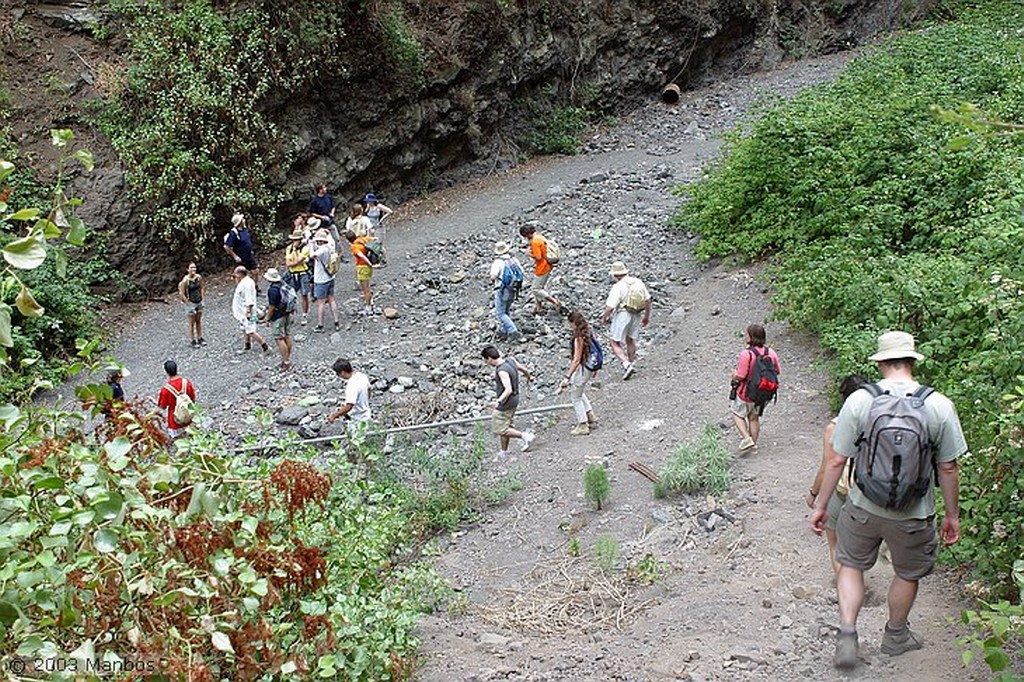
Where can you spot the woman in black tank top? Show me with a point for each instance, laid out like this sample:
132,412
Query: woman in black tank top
191,290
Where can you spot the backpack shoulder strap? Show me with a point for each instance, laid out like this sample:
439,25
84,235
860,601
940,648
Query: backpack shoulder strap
923,392
171,389
184,385
874,389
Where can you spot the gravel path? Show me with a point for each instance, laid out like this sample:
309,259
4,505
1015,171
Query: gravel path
751,598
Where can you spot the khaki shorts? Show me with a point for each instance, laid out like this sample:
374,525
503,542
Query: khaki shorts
743,409
625,324
501,421
363,273
835,505
913,543
281,327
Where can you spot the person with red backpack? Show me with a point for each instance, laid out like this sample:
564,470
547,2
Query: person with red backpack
754,385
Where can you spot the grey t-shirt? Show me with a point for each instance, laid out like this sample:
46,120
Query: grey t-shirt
943,429
511,402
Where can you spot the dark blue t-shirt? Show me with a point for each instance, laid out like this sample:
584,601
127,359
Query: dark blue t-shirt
321,205
240,241
275,299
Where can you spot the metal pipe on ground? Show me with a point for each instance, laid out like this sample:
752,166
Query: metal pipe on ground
671,94
412,427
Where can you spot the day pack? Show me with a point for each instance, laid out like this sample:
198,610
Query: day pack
332,264
512,275
763,384
183,407
374,252
289,299
895,457
554,251
636,296
595,359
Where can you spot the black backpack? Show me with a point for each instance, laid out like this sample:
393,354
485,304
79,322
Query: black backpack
895,458
763,384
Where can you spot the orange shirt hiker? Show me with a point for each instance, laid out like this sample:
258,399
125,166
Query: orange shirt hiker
539,253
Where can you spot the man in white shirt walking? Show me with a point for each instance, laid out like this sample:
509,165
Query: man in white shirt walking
630,303
357,394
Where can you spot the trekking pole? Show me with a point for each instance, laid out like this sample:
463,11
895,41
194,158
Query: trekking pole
408,428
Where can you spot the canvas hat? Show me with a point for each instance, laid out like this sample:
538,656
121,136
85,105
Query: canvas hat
370,198
322,236
296,235
271,275
237,219
501,248
618,268
895,346
312,223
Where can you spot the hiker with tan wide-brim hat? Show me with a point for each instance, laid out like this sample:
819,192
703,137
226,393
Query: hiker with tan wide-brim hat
902,438
629,308
296,258
506,275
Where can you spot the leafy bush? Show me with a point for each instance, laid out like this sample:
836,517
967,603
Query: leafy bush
45,271
191,121
704,465
874,215
997,633
558,132
200,565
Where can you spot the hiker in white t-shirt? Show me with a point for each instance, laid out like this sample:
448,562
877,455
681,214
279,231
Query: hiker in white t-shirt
630,303
357,394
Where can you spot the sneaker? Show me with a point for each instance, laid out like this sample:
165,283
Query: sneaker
896,642
248,346
528,440
628,370
266,348
194,343
319,328
304,320
581,429
501,457
202,341
846,650
514,336
747,443
591,418
337,325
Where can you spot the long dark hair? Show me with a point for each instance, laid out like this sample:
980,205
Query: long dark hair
580,328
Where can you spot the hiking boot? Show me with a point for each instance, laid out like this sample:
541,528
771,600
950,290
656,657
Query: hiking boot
628,370
896,642
202,341
528,440
194,343
248,345
747,443
591,418
846,650
581,429
318,329
266,348
304,320
337,326
514,336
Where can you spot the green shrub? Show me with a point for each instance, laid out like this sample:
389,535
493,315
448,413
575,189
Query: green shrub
596,485
606,552
191,123
874,215
558,132
704,465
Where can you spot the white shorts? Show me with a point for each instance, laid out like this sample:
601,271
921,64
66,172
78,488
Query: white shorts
624,324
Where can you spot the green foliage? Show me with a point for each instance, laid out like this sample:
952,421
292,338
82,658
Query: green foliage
876,213
704,465
402,44
558,132
649,570
45,302
596,485
574,547
199,565
997,633
191,121
606,552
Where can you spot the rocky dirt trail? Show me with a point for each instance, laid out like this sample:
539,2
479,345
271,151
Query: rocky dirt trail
743,594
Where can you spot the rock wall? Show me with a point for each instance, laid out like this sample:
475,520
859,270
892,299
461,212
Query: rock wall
493,67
